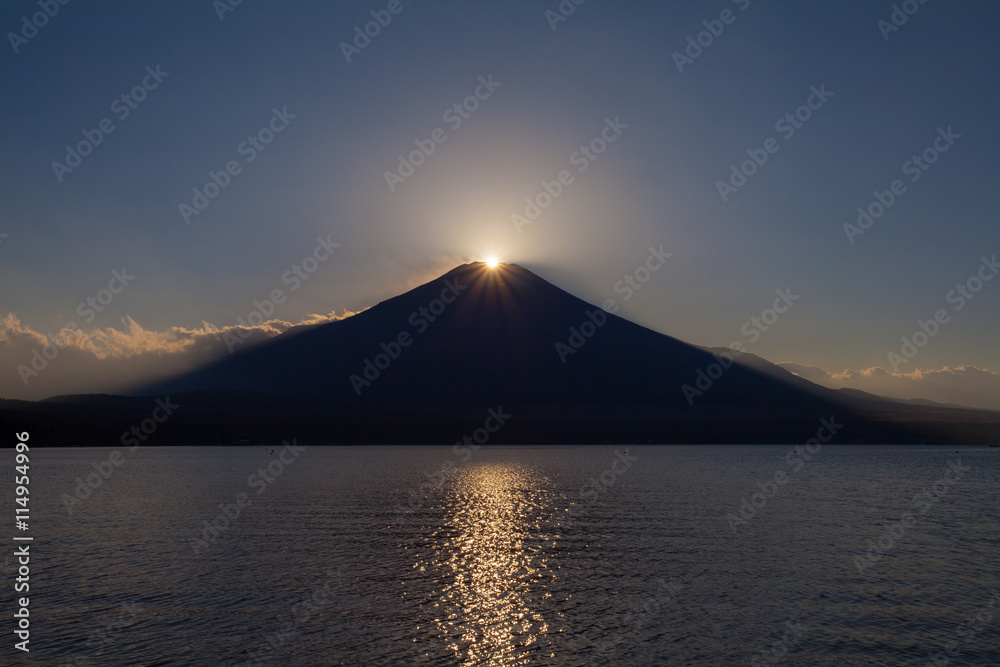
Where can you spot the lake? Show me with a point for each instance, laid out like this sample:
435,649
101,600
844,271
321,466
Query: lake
638,555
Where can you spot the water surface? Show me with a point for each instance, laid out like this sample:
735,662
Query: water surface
516,556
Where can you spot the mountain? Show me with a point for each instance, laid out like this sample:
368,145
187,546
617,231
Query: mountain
878,397
428,365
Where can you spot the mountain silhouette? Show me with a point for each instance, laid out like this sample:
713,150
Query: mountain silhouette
428,365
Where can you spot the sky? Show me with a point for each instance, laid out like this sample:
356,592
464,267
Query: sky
174,163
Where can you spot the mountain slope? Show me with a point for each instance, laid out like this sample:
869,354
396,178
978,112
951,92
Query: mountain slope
498,338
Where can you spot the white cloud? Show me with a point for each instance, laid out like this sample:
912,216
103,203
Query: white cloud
112,360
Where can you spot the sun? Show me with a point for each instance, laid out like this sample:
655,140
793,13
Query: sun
492,262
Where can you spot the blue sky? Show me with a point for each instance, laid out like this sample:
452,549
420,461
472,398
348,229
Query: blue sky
323,175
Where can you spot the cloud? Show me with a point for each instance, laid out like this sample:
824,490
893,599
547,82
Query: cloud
964,385
33,366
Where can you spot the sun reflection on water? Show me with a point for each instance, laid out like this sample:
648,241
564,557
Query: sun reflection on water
491,607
